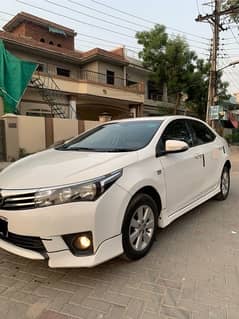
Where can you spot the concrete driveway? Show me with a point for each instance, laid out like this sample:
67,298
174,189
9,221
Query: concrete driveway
191,272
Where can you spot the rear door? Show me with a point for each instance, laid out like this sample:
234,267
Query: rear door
182,171
207,145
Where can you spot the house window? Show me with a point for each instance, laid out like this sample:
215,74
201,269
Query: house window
63,72
42,40
110,77
51,43
59,45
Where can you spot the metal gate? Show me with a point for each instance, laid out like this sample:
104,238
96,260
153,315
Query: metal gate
2,141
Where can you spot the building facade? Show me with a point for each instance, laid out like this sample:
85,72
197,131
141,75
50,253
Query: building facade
73,84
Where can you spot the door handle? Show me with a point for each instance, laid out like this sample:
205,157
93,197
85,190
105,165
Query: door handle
198,156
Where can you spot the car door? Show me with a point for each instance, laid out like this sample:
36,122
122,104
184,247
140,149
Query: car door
209,148
181,170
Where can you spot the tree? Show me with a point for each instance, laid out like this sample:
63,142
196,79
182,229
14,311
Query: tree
226,4
153,54
169,59
175,67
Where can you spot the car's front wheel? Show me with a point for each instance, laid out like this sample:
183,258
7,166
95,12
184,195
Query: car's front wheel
225,184
139,227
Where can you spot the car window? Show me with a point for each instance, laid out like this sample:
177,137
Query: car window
201,133
115,137
177,130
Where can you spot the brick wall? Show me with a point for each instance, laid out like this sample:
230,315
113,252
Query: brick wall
20,29
37,33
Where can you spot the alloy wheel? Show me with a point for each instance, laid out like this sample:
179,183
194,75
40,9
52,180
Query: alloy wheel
141,228
225,182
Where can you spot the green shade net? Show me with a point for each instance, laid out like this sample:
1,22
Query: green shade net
15,75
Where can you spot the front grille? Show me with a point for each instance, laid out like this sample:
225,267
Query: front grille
27,242
17,202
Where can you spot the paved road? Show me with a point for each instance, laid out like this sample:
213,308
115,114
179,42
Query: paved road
192,272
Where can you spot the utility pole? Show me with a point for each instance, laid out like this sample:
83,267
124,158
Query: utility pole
214,20
213,71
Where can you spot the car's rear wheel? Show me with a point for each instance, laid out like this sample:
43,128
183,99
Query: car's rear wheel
225,184
139,227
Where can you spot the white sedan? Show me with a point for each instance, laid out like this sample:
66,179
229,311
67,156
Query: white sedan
105,192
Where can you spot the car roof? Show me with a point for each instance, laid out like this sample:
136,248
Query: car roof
155,118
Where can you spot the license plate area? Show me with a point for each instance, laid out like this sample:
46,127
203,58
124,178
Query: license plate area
3,228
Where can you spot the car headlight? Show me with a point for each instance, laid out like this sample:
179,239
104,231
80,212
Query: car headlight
85,191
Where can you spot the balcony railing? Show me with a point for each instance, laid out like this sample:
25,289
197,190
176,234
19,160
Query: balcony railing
159,98
94,77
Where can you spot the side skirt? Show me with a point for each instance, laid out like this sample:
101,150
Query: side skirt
165,219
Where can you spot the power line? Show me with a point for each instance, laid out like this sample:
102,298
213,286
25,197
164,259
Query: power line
233,34
232,49
197,4
74,19
103,20
89,36
9,14
230,74
90,16
228,43
107,14
94,43
101,39
108,41
122,19
146,20
227,39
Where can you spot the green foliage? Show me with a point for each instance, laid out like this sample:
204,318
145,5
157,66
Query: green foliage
232,138
153,53
232,4
174,64
169,59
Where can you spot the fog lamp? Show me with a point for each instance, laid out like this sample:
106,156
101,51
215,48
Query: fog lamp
82,242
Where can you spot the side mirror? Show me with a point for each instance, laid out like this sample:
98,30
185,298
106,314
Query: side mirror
175,146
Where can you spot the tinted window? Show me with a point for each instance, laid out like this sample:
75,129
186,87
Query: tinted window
116,137
201,133
177,130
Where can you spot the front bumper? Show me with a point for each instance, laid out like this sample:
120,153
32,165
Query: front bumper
103,218
64,258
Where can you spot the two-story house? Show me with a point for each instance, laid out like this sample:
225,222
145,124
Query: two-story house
69,83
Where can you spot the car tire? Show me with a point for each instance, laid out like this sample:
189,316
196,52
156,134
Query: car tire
139,226
224,184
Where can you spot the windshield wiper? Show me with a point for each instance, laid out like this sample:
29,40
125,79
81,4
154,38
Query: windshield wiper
67,148
104,150
119,150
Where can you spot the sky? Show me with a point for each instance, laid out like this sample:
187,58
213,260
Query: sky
105,24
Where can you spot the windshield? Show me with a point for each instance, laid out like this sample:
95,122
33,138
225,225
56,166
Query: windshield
115,137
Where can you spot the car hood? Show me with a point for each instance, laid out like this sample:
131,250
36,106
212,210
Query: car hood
55,167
